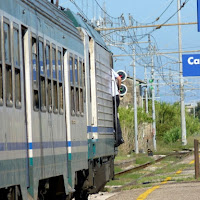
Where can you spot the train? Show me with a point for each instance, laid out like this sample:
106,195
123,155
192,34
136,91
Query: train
57,139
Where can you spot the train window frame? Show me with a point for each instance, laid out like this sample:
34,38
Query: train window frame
76,85
42,75
60,81
1,66
8,62
16,64
71,82
54,80
35,85
49,78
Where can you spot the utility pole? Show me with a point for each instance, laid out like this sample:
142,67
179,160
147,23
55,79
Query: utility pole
146,92
135,105
153,103
183,123
151,50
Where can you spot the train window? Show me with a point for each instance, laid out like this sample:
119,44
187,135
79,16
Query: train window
1,75
17,89
83,74
17,68
61,97
60,83
49,94
47,54
8,67
55,92
54,63
71,66
42,77
71,70
84,96
6,28
59,67
16,47
80,74
90,78
81,85
35,75
81,101
76,86
9,96
77,101
76,71
49,86
55,89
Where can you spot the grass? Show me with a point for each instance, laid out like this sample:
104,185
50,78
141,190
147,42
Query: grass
118,169
163,148
121,157
160,171
142,159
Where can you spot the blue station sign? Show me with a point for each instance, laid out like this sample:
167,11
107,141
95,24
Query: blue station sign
191,64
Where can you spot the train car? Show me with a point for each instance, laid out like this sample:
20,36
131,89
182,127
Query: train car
99,107
56,136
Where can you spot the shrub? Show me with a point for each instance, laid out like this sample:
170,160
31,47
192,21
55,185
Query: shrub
172,136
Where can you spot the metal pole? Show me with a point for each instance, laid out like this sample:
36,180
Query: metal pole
135,104
146,92
143,26
183,123
153,104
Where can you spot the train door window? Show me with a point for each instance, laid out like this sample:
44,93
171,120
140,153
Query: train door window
8,66
90,78
71,67
35,74
77,106
17,72
1,73
81,86
42,72
60,79
55,90
49,85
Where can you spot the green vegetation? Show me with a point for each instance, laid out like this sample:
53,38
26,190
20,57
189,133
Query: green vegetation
168,126
168,122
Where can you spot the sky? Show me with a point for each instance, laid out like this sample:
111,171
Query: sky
165,39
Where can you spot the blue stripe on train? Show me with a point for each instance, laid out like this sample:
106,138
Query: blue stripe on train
38,145
91,129
56,144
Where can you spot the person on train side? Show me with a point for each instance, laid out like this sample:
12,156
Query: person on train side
116,84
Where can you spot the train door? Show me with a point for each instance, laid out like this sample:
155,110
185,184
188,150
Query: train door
23,33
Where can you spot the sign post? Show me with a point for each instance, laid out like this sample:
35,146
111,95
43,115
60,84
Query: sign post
198,14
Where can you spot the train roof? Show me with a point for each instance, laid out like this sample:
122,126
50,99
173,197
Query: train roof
78,21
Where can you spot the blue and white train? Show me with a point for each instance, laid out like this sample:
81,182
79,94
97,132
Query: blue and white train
56,110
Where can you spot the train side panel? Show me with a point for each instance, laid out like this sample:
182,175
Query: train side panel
45,109
13,140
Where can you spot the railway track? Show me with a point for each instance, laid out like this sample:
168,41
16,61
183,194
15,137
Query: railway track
149,163
181,155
